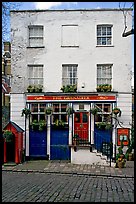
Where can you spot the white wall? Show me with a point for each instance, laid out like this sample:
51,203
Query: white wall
87,55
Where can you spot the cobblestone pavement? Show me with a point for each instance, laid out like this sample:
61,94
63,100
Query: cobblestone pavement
52,187
65,167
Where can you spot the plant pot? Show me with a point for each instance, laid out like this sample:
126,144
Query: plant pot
130,157
120,164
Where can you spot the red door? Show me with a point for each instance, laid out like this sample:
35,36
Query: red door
81,125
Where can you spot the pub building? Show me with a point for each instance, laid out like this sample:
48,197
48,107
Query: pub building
71,71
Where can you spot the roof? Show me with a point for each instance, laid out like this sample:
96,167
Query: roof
19,129
65,10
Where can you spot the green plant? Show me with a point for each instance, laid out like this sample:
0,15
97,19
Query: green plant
38,125
94,111
35,88
38,88
48,110
69,88
69,111
104,88
116,111
8,135
42,125
30,88
26,112
59,123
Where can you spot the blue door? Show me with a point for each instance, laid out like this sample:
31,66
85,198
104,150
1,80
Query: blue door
59,145
38,143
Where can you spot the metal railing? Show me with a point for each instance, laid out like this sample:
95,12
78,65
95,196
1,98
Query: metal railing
103,145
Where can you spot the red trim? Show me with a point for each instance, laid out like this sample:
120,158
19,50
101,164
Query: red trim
71,98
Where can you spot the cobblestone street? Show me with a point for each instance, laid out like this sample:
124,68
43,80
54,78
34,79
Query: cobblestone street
51,187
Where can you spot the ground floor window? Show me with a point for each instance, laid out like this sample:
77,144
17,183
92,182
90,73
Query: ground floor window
103,115
59,113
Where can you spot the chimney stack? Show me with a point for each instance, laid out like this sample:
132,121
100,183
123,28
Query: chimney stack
7,47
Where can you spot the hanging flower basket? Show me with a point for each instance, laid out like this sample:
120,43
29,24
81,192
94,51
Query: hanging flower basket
8,135
26,112
94,111
69,111
48,111
116,111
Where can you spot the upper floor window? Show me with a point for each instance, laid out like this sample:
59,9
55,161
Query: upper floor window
104,34
35,36
104,74
69,75
69,36
35,74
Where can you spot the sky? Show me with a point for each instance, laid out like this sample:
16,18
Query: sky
78,5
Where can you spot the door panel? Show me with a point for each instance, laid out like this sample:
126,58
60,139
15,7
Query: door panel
81,125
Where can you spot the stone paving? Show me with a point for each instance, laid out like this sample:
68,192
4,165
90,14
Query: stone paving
65,167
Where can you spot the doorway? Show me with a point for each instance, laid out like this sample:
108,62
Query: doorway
81,126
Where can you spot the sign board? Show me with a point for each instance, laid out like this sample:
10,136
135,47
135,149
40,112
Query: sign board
123,134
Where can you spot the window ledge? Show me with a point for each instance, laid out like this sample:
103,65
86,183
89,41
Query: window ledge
36,47
70,46
104,45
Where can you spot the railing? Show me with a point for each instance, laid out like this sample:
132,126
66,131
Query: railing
81,141
103,145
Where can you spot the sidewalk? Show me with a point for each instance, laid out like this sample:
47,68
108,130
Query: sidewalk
65,167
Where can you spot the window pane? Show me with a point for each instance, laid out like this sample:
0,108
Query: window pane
85,119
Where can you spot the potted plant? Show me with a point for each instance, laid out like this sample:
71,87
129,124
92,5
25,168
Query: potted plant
129,155
30,89
26,112
42,125
38,88
35,125
8,135
94,111
48,110
69,88
120,157
59,124
116,111
69,110
104,88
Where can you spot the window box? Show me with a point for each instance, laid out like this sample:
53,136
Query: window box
104,88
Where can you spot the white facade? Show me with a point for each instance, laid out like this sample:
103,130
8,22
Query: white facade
61,47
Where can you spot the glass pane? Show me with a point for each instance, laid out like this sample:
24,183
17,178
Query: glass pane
108,41
98,41
98,118
108,30
34,107
55,117
107,107
103,30
56,107
41,117
63,107
103,41
64,118
34,117
98,31
85,118
77,117
42,107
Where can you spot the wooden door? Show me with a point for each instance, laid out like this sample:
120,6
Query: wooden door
81,125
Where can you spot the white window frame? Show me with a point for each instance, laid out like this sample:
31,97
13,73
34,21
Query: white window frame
106,78
104,36
69,78
35,37
32,79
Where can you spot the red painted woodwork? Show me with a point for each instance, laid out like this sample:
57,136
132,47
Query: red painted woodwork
72,98
81,125
18,143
